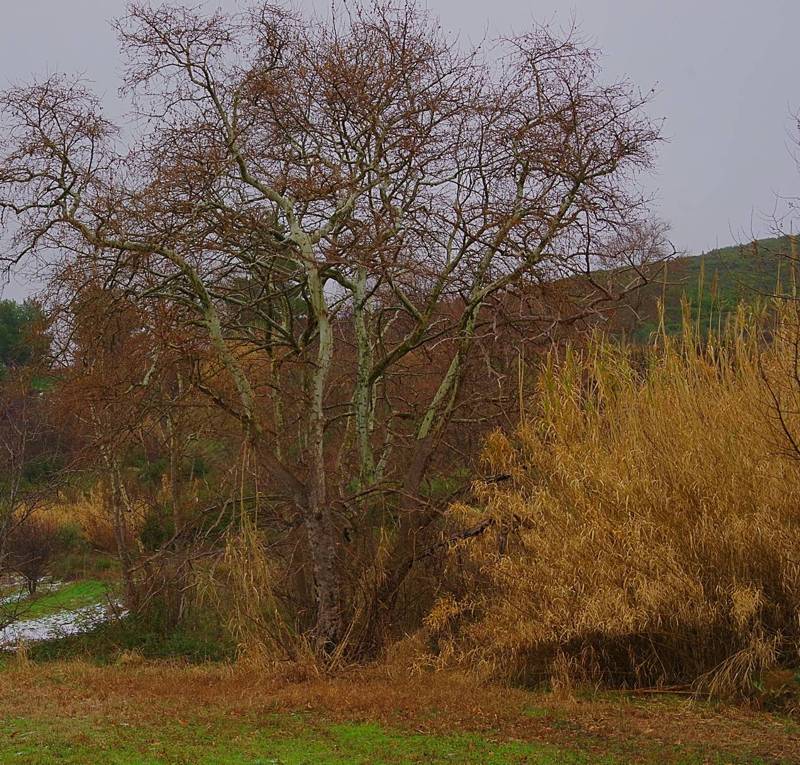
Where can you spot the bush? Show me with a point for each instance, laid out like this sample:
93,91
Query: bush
33,545
649,530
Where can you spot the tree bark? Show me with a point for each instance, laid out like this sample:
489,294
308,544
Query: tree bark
319,522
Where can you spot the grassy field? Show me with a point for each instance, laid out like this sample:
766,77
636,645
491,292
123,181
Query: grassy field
158,714
67,598
64,598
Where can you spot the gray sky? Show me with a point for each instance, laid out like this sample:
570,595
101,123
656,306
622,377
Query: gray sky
725,73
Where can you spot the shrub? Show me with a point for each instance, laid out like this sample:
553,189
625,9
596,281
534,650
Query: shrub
33,545
648,534
90,511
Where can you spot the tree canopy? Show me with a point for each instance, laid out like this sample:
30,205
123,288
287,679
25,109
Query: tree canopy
358,221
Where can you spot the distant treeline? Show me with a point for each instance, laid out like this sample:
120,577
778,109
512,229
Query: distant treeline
17,321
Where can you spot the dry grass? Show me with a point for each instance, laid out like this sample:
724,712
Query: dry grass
144,696
90,511
239,589
649,536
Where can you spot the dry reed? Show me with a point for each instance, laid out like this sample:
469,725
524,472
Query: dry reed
649,534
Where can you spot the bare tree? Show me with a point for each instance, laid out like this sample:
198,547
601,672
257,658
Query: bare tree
341,207
33,545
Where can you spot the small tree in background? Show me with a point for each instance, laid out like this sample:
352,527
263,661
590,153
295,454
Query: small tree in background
31,458
20,343
33,546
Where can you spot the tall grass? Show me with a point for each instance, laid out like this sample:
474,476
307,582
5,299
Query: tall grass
650,532
239,588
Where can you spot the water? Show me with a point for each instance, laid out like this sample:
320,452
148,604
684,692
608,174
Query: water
53,626
56,625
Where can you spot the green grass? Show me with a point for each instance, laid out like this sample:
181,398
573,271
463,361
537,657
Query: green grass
105,643
287,744
69,597
287,740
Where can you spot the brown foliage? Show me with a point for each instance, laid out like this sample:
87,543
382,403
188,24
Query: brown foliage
648,534
33,545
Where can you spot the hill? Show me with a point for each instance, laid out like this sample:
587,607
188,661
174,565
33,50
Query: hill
711,285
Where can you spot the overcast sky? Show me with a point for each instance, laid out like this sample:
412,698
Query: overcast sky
725,72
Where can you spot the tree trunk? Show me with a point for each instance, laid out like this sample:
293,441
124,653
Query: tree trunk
120,504
320,527
414,520
322,541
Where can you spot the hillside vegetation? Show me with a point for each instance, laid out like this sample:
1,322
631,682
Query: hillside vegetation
710,286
